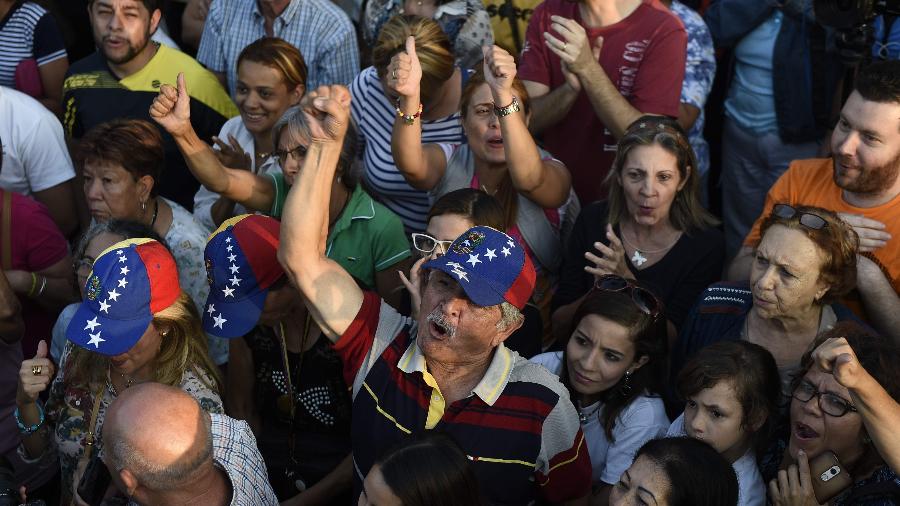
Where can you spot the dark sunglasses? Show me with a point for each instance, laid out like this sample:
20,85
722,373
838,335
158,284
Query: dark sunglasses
808,220
642,298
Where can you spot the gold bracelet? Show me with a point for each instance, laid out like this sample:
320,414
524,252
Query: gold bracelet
33,284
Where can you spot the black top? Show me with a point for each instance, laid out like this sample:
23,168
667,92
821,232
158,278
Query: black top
691,265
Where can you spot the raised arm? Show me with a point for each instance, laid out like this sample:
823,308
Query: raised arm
171,109
332,296
544,182
879,298
422,166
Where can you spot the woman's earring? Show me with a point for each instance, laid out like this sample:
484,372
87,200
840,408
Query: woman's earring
143,206
625,389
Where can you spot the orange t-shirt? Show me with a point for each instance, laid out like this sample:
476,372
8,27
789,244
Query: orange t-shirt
811,183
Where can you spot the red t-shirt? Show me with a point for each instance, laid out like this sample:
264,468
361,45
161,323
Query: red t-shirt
643,55
37,244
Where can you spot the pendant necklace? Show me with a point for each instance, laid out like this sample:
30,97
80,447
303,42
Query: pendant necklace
638,258
584,417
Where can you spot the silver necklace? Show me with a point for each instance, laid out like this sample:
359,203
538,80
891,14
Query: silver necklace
584,417
638,258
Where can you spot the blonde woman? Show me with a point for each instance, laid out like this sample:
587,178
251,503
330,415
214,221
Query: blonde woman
135,325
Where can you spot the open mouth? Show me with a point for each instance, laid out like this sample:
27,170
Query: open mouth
439,326
495,142
804,432
253,117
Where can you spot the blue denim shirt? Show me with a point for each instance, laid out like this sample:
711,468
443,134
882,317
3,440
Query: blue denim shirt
804,91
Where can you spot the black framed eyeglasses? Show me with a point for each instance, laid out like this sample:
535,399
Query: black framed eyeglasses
297,153
644,299
808,220
830,404
427,244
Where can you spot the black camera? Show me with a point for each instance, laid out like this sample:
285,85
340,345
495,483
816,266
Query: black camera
850,14
9,494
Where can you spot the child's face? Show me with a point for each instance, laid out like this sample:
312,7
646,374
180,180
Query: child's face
714,415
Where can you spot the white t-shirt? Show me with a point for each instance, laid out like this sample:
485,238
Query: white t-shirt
644,419
35,157
204,199
751,488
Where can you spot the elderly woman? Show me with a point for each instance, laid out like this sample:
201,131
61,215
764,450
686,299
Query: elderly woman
135,325
500,157
271,77
375,106
651,229
364,237
466,23
826,416
805,261
122,162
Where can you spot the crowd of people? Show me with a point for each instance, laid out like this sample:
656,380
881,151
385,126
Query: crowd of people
447,252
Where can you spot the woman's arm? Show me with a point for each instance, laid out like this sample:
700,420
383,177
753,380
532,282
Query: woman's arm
53,286
546,183
328,488
422,166
11,325
52,75
239,400
171,109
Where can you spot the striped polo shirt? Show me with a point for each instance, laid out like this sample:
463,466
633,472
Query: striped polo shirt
374,115
518,426
27,31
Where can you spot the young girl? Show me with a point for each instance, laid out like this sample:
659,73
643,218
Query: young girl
731,391
613,367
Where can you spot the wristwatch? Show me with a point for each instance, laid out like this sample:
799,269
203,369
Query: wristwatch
506,111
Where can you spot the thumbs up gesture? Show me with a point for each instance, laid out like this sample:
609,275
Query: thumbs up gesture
172,108
404,73
34,376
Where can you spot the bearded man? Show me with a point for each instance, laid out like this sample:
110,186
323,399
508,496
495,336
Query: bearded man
861,182
121,79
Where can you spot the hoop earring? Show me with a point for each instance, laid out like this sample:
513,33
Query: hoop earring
625,389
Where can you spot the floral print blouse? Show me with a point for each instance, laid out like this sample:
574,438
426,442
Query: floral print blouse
68,411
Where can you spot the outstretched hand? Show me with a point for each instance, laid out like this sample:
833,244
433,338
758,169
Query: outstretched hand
327,110
404,73
172,108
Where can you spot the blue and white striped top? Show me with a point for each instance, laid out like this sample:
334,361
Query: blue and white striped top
27,32
374,115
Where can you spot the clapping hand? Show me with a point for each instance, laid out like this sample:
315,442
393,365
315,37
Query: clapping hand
404,73
232,155
327,111
575,49
611,259
172,108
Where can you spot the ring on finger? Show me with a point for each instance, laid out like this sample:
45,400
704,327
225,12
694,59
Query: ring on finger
565,45
36,370
393,74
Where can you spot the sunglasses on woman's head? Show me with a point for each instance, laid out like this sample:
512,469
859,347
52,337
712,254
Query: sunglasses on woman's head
642,298
427,244
808,220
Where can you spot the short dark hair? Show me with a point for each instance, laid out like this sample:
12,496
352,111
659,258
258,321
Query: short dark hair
837,241
150,5
650,338
752,371
698,475
135,144
476,205
430,469
879,81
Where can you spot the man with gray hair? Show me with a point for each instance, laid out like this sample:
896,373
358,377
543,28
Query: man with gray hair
162,449
448,370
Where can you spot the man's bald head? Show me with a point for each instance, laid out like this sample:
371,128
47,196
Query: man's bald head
159,434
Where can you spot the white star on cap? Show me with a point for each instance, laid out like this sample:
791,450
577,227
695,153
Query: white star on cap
114,295
454,265
491,254
91,324
219,321
104,306
505,252
473,259
511,243
122,283
96,339
229,292
228,239
119,252
232,257
229,247
211,309
122,260
124,271
236,281
234,269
